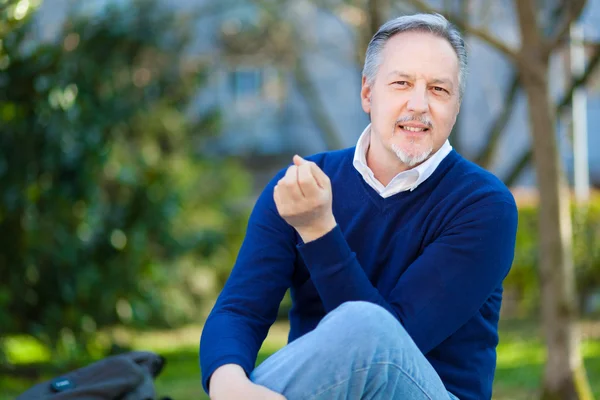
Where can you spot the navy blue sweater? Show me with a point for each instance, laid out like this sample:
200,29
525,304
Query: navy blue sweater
434,257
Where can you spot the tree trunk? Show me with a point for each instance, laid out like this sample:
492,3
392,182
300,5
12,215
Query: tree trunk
462,14
564,376
564,365
376,12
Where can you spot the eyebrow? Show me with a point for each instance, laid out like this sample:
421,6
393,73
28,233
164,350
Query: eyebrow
436,81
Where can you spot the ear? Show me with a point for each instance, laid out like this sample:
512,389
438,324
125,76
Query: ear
365,96
457,110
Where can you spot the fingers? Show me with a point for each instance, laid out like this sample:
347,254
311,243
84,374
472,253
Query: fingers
276,196
303,180
319,176
287,187
306,181
303,199
298,160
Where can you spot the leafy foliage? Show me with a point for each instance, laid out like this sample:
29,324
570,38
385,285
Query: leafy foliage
523,278
108,204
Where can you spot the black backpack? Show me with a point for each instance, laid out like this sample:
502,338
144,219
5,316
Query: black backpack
128,376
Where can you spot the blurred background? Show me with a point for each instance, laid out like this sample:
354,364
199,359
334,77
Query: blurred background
136,134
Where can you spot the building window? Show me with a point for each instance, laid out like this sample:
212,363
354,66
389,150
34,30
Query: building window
246,83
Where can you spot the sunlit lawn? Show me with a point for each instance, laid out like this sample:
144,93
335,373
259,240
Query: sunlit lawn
520,361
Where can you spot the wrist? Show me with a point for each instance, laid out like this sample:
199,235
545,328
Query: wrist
225,376
316,231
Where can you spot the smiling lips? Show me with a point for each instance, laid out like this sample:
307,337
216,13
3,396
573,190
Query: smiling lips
414,128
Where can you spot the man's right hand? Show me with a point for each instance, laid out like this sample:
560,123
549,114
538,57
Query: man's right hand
229,382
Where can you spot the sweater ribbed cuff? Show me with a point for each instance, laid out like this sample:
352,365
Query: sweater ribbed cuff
329,250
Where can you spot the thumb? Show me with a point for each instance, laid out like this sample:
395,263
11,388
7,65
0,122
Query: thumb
298,161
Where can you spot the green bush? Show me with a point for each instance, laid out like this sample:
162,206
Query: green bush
523,278
109,206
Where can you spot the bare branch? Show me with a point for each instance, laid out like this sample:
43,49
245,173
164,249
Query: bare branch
518,168
471,30
581,80
316,107
465,7
493,136
447,6
324,7
375,18
292,52
572,12
463,13
554,17
591,43
353,30
531,36
524,160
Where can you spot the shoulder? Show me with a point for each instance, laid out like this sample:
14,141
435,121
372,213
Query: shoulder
471,201
332,160
476,185
468,194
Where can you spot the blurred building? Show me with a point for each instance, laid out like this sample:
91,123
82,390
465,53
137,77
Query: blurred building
272,108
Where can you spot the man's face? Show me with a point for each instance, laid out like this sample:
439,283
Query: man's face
414,100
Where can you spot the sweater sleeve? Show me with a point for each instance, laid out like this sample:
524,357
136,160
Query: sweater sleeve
248,304
442,289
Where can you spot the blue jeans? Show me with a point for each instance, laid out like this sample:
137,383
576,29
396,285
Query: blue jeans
358,351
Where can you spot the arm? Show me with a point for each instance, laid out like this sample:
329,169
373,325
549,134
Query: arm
439,292
442,289
248,304
230,382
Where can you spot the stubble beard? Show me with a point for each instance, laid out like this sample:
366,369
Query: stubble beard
408,159
411,160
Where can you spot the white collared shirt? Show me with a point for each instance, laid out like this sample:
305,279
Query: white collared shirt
407,180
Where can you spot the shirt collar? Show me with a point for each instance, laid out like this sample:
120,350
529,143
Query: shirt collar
420,172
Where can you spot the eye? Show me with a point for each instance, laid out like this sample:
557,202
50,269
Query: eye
440,89
401,83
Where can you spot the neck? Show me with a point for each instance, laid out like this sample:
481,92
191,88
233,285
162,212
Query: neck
383,163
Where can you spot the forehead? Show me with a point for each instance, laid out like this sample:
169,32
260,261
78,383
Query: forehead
422,54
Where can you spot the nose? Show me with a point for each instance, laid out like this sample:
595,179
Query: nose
417,102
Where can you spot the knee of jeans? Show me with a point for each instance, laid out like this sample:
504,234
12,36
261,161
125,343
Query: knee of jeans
369,320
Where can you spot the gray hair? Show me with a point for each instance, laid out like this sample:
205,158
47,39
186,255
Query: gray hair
432,23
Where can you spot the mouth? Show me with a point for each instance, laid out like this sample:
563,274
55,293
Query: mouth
414,129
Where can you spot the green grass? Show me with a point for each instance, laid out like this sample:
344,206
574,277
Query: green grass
520,360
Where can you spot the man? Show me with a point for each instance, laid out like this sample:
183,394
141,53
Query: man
395,250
